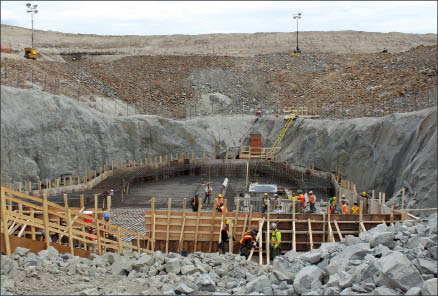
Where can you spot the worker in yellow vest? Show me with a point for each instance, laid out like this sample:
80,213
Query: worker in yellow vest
355,209
275,241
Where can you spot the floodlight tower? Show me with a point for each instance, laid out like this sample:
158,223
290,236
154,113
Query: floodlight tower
32,10
297,17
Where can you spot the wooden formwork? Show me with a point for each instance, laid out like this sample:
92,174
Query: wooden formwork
176,231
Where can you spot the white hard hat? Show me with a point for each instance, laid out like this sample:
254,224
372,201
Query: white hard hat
88,212
273,225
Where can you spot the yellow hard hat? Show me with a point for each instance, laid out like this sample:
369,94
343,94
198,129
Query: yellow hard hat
219,195
343,195
310,192
228,222
334,197
266,194
364,193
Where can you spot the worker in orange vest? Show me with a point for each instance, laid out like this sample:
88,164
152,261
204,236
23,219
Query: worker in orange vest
355,209
312,201
248,242
301,200
344,207
219,203
330,208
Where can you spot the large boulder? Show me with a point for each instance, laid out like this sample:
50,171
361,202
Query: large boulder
205,283
173,265
8,266
21,251
257,284
430,287
399,272
312,257
308,279
426,266
285,270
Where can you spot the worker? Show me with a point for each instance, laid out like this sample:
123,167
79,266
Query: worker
312,201
208,190
364,195
219,203
330,209
106,217
301,201
334,204
265,202
275,241
344,207
43,236
225,234
355,209
248,242
195,202
277,204
343,198
293,199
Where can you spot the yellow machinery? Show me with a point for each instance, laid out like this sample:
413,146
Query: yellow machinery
30,53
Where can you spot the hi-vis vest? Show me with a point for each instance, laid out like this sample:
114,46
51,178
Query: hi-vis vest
275,238
219,200
312,198
345,209
355,210
246,237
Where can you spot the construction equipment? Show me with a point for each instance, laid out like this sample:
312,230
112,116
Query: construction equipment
30,53
283,132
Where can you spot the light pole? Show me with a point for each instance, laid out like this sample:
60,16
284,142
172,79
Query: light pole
32,10
297,17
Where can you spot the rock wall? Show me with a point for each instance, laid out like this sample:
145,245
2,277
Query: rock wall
383,153
45,136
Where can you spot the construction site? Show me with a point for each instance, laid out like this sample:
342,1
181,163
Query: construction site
105,152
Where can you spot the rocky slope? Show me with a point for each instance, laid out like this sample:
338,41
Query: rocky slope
54,135
394,260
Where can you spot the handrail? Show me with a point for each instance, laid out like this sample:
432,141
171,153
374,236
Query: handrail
47,209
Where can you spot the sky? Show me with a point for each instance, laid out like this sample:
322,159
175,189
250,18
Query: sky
206,17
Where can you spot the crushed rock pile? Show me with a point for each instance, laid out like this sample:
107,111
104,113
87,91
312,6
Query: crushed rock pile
393,260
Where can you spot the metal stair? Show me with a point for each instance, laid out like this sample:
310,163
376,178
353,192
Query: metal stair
282,134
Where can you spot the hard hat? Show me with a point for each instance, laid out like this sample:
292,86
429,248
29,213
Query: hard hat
266,194
219,195
112,190
196,194
275,195
299,191
227,222
334,197
364,193
343,195
106,216
310,192
273,225
43,232
88,212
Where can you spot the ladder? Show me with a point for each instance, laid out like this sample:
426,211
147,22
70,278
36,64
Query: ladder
282,134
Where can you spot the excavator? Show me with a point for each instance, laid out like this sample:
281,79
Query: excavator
30,53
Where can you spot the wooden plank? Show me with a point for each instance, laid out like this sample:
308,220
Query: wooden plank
32,228
213,219
197,224
392,212
169,206
230,239
261,245
153,223
294,240
22,230
244,226
362,227
99,247
46,220
338,230
268,249
181,239
70,234
323,227
310,234
403,199
119,240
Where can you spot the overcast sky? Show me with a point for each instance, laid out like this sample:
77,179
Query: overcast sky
198,17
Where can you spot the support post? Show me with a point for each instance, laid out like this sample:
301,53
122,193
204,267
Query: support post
70,233
181,238
197,224
392,212
169,206
323,228
5,223
32,228
153,223
294,243
310,233
360,214
46,220
213,219
268,249
338,230
99,248
119,239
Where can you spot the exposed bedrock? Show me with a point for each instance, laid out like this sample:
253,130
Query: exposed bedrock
45,135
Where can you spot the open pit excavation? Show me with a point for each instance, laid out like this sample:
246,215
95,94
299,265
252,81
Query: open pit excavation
105,147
